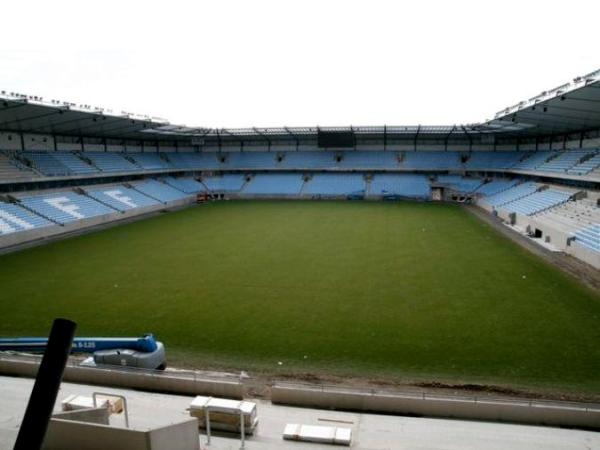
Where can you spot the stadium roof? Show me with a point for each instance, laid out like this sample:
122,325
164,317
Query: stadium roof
569,108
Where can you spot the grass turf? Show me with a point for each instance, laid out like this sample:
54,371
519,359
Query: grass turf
391,290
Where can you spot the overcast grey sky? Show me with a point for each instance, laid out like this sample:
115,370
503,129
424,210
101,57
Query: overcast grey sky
273,63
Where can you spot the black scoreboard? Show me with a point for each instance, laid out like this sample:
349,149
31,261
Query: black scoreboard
335,139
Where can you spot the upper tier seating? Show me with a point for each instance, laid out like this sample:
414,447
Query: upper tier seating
184,184
534,159
369,160
460,184
66,206
307,160
277,183
149,161
159,191
564,161
537,201
511,194
11,169
497,160
225,183
75,164
111,162
495,186
335,184
431,160
120,197
47,164
248,160
585,167
14,218
405,185
589,237
193,160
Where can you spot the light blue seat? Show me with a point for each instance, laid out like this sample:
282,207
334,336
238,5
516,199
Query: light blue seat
150,161
307,160
537,202
511,194
534,159
159,191
564,161
460,184
493,160
46,163
185,184
275,183
75,164
224,183
585,167
495,187
121,198
111,162
14,218
589,237
433,160
249,160
405,185
64,207
369,160
335,184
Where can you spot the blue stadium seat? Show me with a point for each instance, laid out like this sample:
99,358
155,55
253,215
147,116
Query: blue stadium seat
224,183
276,183
149,161
111,162
335,184
121,198
537,201
405,185
460,184
159,191
64,207
589,237
433,160
184,184
14,218
511,194
497,160
75,164
47,164
495,187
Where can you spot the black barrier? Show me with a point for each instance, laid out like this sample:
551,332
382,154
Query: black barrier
45,389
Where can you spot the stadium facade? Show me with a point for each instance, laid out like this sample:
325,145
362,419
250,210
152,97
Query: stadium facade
66,167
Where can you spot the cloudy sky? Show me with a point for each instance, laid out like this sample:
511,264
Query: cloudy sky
273,63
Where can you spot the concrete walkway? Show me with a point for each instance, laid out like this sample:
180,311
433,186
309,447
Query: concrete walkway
370,431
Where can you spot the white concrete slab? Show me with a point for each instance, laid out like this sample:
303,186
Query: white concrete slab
369,431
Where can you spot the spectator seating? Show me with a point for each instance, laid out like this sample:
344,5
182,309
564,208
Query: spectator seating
66,206
405,185
159,191
460,184
120,197
586,166
46,163
335,184
589,237
497,160
534,159
276,183
76,165
369,160
511,194
249,160
192,160
14,218
564,161
224,183
495,186
111,162
12,169
307,160
537,201
149,161
184,184
431,160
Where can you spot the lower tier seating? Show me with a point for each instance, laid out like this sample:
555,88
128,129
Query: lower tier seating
405,185
14,218
121,197
159,191
66,206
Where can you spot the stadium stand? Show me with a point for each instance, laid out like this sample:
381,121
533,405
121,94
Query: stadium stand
369,160
405,185
224,183
495,186
111,162
308,160
190,160
537,201
493,160
121,197
335,184
432,160
184,184
76,165
587,165
46,163
64,207
589,237
14,218
564,161
460,184
534,160
159,191
511,194
149,161
12,169
278,183
249,160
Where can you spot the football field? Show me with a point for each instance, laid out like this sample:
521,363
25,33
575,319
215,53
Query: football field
398,291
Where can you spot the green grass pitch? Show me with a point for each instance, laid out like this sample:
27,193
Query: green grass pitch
405,291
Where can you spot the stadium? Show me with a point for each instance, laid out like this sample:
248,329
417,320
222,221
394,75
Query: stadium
232,277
